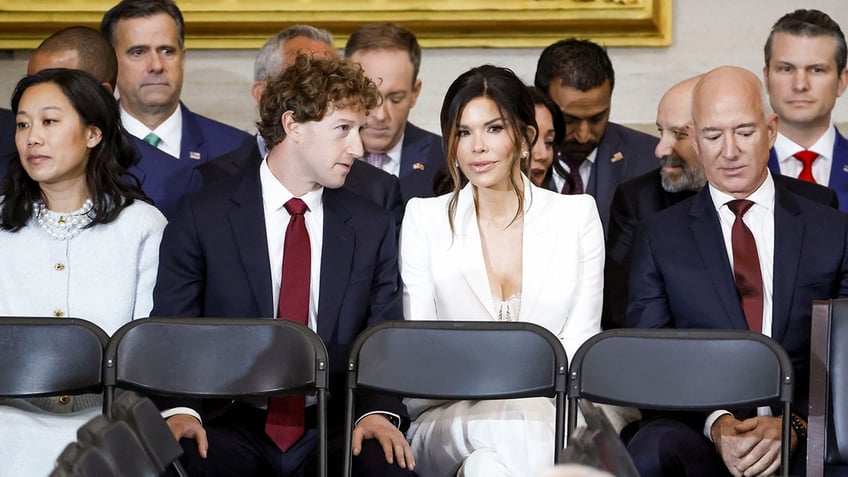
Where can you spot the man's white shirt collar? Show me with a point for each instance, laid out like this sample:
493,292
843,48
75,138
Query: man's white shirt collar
170,131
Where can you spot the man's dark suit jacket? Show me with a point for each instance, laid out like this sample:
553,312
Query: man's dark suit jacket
164,178
7,141
623,154
636,200
422,154
214,262
363,179
633,201
681,275
838,180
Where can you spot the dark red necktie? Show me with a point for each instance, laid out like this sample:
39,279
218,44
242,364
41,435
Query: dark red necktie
746,266
286,413
806,157
574,183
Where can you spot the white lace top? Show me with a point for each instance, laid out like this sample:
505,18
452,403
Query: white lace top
507,310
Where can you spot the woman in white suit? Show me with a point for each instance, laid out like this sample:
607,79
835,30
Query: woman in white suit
498,248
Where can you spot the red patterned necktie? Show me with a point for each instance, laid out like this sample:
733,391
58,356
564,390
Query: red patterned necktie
746,266
286,413
806,157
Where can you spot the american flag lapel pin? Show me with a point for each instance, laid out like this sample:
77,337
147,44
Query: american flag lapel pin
617,157
194,155
418,166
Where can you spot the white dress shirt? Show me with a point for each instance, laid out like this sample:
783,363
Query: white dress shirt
170,131
785,148
274,197
760,220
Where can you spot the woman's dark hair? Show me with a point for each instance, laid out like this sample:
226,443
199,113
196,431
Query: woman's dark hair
540,98
510,95
110,185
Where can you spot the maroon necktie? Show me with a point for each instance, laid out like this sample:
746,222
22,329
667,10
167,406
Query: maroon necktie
286,413
746,267
806,157
575,184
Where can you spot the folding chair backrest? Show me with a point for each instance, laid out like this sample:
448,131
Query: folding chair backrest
670,369
681,369
50,356
827,441
458,360
219,358
216,357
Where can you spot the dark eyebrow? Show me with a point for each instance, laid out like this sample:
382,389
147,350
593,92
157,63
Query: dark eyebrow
487,123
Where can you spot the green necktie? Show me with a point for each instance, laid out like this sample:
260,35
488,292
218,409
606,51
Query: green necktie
152,139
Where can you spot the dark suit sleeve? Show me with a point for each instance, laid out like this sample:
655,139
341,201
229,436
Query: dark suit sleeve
395,203
386,305
833,199
180,284
619,240
648,305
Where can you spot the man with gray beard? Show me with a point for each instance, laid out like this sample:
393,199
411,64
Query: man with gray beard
678,178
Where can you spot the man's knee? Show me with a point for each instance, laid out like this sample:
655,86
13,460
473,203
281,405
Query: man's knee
667,447
371,462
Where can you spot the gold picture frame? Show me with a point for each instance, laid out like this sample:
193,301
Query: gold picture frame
245,24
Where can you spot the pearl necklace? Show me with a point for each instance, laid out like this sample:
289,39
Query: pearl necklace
62,226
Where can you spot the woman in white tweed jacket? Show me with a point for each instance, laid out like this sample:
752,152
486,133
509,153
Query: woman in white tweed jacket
77,238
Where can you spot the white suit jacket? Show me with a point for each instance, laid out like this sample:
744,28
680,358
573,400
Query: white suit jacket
444,275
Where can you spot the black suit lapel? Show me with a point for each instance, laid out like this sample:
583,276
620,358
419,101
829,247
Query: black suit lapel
247,218
789,227
706,231
336,261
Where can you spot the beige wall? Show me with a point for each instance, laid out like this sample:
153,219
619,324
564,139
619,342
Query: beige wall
707,33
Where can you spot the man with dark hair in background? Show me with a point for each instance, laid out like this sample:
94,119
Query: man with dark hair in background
149,40
78,48
597,154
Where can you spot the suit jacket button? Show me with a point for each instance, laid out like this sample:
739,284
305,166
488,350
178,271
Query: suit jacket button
64,400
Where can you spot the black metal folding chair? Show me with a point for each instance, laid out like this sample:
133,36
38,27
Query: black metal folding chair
827,425
50,356
457,360
669,369
219,357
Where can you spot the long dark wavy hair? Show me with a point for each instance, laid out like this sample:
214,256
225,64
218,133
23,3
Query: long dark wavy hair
110,185
513,100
